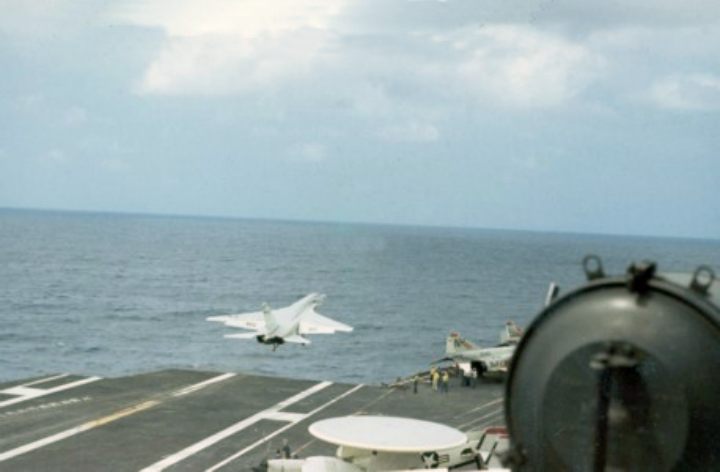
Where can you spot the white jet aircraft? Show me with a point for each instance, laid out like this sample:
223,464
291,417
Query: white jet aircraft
287,324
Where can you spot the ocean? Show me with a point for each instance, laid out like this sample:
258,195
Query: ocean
112,294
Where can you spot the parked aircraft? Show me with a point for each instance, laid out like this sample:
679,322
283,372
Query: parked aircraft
283,325
379,443
489,360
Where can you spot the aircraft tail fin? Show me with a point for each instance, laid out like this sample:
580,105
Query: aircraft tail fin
510,334
455,344
270,322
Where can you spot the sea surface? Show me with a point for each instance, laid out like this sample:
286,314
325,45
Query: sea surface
109,294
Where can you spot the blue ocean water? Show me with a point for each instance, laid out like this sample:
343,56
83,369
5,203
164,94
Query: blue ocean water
110,294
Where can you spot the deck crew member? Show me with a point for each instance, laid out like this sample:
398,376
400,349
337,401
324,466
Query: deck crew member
286,452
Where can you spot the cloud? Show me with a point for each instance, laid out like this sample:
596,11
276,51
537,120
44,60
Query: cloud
411,132
524,67
567,15
30,102
225,46
653,13
309,152
46,20
219,65
247,18
687,92
114,165
75,116
56,156
371,100
313,152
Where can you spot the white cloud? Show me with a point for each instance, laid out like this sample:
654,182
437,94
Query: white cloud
524,67
687,92
218,65
27,20
411,132
56,155
114,164
309,152
75,116
226,46
372,100
248,18
29,102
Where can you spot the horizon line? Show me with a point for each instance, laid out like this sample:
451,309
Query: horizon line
351,222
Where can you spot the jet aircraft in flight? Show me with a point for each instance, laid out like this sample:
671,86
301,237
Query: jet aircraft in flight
283,325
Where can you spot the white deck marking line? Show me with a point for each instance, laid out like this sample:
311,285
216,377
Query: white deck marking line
488,421
22,391
283,416
31,393
46,379
493,402
230,430
201,385
90,425
11,390
478,408
284,428
478,419
73,431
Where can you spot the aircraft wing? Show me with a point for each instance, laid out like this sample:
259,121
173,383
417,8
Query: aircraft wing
296,339
315,323
241,336
254,320
493,356
460,358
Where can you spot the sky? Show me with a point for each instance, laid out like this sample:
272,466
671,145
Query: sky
591,117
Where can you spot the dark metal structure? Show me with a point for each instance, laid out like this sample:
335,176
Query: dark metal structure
621,374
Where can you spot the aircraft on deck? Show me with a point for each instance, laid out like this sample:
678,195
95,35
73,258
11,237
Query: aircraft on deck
283,325
389,443
488,360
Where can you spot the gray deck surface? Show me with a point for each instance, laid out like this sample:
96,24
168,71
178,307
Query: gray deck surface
156,422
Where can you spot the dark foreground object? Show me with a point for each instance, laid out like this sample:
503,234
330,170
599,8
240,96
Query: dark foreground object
189,420
620,374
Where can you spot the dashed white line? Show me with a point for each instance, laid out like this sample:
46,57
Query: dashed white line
229,431
73,431
45,406
28,393
100,421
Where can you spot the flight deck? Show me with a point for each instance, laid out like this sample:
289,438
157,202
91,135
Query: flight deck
184,420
